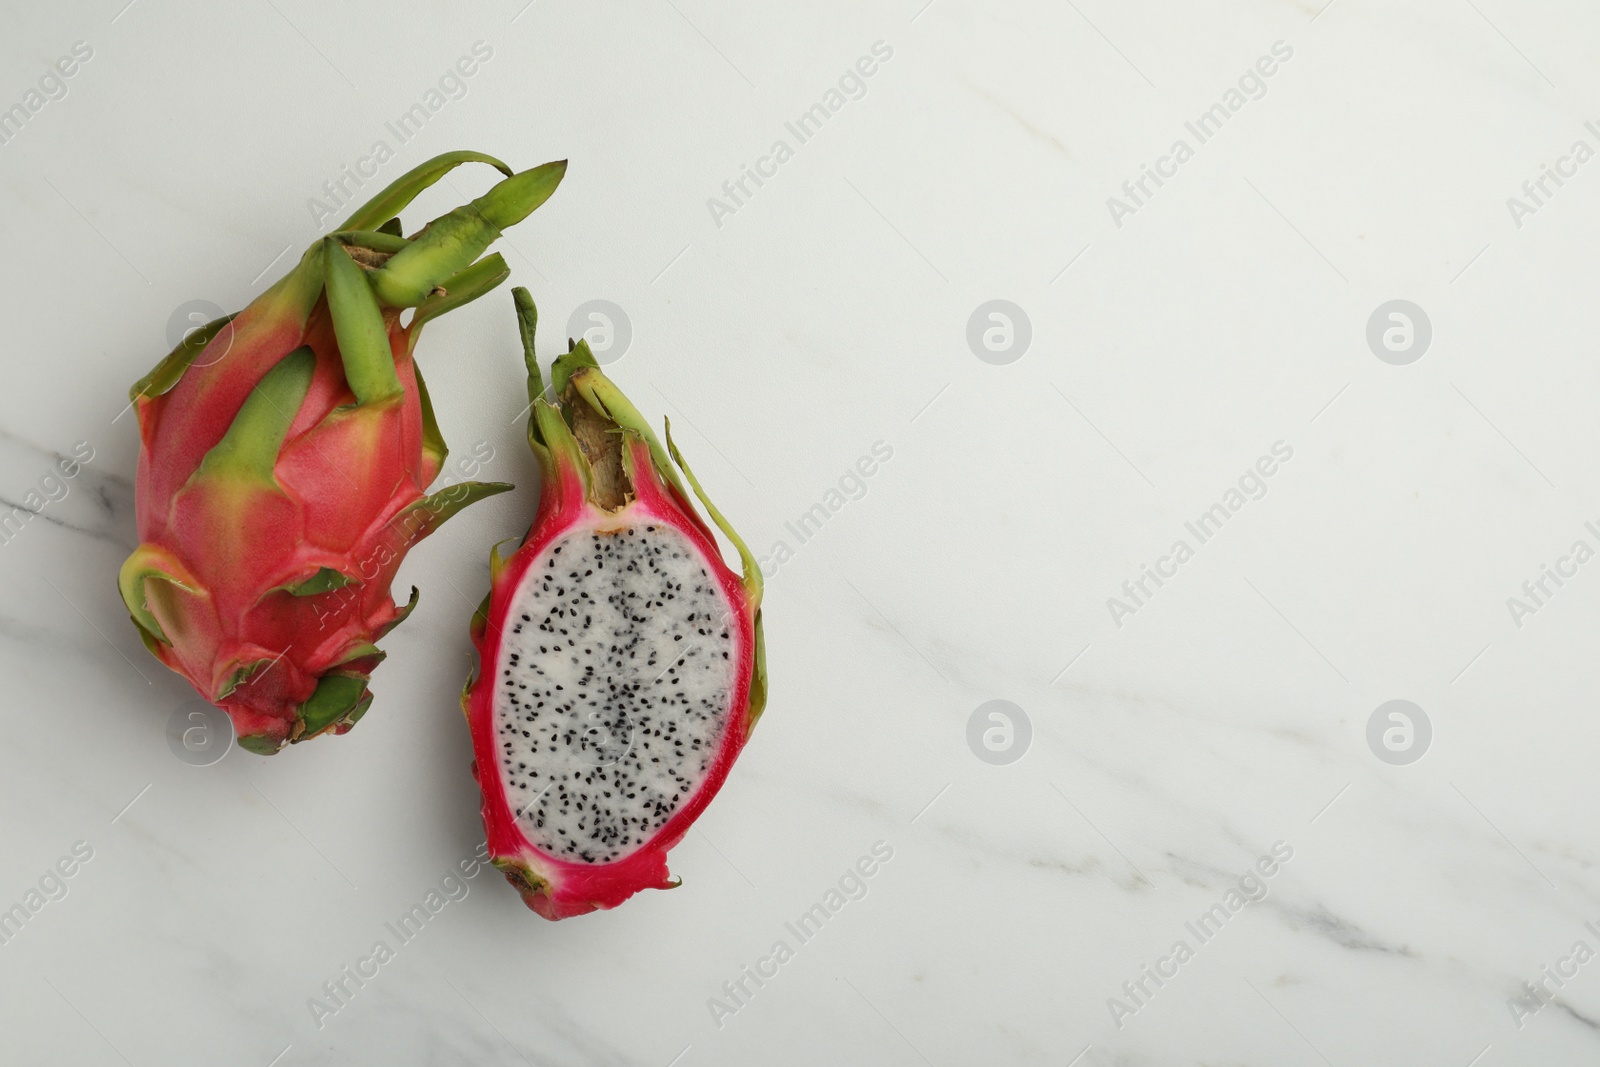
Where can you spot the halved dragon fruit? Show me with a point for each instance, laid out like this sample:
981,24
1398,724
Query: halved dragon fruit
621,665
287,451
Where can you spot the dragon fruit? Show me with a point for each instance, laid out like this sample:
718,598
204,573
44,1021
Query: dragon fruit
286,455
620,660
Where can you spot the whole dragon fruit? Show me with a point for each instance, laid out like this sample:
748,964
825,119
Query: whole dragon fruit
286,455
620,661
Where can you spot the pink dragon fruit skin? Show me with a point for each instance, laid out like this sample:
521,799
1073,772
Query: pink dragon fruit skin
286,457
609,705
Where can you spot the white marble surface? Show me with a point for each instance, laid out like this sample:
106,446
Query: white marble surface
1227,713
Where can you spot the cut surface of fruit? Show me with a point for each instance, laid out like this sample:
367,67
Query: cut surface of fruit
621,665
617,674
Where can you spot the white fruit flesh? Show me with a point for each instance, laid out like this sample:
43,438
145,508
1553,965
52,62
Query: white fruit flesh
616,670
